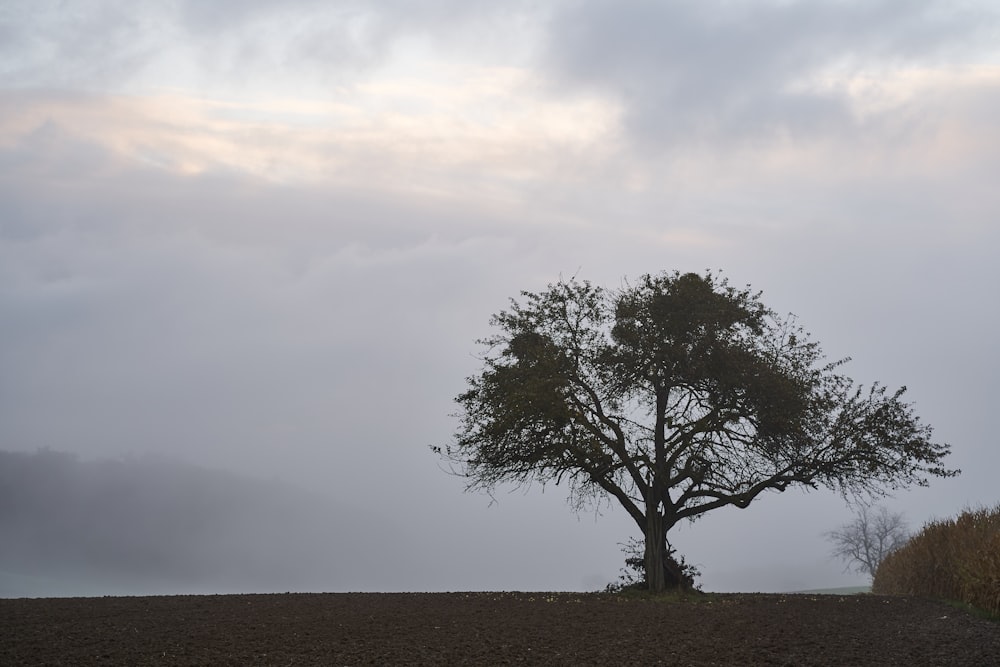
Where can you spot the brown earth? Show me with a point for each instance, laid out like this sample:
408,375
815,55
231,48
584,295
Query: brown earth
493,629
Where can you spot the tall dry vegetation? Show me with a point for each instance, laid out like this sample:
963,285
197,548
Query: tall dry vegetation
953,559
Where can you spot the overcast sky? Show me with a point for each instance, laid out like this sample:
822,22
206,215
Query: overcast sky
263,237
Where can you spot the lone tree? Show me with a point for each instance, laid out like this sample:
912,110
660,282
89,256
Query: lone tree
873,534
676,396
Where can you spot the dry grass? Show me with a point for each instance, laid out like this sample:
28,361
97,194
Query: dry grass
953,559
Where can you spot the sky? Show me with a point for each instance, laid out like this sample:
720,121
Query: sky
263,237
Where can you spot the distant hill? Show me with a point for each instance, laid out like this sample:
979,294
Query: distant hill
73,527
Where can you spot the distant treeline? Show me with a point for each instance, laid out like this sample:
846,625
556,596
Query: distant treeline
150,521
954,559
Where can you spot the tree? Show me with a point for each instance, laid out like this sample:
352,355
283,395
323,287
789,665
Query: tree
674,397
869,538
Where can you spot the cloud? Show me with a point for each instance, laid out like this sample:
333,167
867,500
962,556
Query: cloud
730,72
101,42
112,45
478,133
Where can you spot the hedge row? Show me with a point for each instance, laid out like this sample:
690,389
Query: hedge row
953,559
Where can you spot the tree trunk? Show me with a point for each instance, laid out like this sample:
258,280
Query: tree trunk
656,550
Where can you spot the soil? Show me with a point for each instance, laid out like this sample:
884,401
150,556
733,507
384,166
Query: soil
493,629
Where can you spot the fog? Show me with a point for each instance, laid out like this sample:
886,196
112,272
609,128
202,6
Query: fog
246,252
142,525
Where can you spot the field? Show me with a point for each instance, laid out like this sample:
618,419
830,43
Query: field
493,629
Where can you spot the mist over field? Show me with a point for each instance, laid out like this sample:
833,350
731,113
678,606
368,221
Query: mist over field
246,251
149,526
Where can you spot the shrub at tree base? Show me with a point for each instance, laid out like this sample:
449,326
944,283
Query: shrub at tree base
953,559
633,575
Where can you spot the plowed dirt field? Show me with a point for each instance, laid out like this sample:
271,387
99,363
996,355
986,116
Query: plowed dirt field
493,629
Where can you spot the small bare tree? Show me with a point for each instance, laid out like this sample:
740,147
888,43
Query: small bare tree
869,538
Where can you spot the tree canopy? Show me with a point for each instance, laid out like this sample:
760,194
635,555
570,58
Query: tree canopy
676,396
